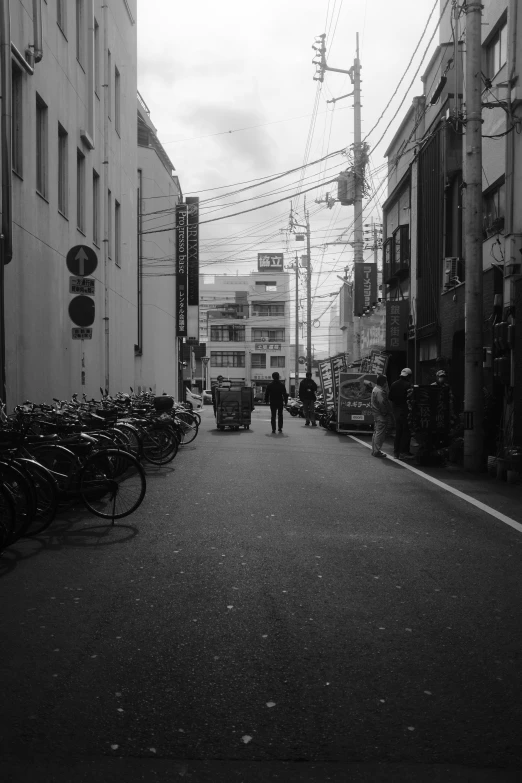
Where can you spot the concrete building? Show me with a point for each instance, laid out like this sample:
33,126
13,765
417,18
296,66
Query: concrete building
245,323
74,161
156,348
424,263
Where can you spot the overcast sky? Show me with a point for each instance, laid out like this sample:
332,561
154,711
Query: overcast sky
206,68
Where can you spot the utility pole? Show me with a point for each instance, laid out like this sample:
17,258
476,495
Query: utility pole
306,226
296,366
360,152
473,375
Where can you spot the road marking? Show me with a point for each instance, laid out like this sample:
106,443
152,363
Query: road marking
494,513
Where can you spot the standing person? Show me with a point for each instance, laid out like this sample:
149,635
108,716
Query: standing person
276,396
220,380
398,397
307,390
382,414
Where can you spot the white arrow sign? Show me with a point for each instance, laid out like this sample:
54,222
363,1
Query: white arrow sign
81,256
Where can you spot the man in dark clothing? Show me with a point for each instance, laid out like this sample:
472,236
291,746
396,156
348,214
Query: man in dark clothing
220,380
276,396
307,390
398,397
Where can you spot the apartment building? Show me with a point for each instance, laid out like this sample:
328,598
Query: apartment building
423,255
73,180
245,323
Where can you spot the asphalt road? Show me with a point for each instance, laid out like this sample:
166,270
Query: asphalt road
281,607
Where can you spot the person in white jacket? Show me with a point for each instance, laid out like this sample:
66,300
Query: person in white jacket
382,415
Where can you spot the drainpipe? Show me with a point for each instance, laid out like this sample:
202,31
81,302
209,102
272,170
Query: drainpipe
106,109
37,31
6,122
6,243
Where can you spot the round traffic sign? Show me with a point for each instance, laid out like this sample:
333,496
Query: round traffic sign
81,310
81,260
301,360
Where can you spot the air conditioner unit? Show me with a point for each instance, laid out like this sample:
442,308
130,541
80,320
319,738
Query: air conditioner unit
452,272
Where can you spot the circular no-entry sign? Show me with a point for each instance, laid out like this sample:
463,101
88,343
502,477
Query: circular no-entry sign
81,260
81,310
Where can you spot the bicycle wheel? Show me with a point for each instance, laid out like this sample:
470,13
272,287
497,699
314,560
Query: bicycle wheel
132,438
188,429
24,496
112,484
159,444
62,463
46,495
7,517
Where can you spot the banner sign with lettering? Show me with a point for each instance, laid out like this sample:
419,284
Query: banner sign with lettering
325,374
364,287
355,392
430,409
338,365
181,269
378,362
270,262
397,313
193,268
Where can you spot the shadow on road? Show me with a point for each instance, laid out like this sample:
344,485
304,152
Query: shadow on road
67,531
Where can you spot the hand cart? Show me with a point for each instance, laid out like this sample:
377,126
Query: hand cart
234,407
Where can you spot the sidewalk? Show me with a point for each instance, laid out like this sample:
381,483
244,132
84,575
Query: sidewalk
499,495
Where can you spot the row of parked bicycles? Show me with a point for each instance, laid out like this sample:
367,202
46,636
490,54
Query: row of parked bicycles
93,451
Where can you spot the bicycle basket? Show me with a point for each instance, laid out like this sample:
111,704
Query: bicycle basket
163,403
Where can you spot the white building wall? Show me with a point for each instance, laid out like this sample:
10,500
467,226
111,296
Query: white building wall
156,364
42,360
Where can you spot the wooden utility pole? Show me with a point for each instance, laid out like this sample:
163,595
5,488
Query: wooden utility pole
473,375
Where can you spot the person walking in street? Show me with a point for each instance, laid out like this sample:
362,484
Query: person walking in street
307,390
276,396
382,414
220,380
398,397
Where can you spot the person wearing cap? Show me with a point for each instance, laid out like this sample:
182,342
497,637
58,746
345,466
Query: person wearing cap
276,396
382,415
441,379
307,390
398,397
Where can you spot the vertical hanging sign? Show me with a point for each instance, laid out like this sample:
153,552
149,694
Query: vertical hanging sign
193,270
181,269
364,287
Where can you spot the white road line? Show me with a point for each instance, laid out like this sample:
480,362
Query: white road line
494,513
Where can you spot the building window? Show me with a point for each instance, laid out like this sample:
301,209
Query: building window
227,358
80,191
494,208
277,361
109,224
117,99
16,131
63,173
80,33
496,51
95,207
259,361
96,58
117,233
266,285
268,335
227,334
267,309
61,17
41,147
